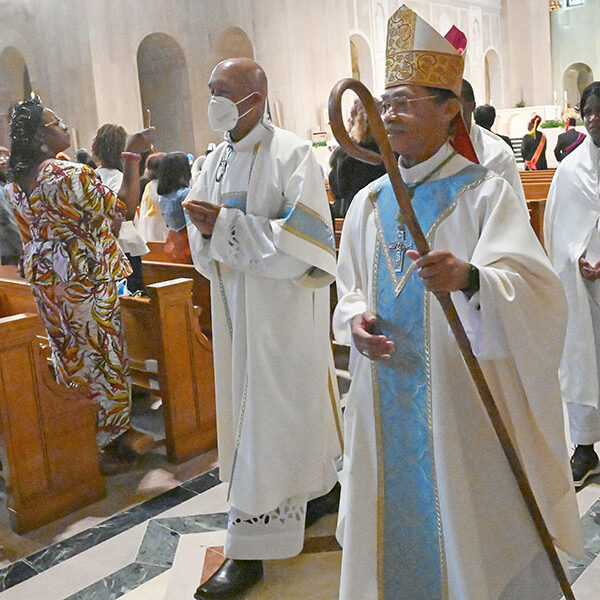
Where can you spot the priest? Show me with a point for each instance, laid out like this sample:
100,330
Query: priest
491,151
261,231
430,509
573,243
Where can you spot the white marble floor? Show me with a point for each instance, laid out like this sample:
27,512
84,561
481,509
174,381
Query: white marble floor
165,554
165,546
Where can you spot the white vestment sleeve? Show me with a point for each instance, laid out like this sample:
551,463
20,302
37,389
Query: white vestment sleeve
351,287
245,243
502,261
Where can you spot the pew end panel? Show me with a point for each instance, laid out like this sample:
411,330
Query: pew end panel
156,272
163,333
48,437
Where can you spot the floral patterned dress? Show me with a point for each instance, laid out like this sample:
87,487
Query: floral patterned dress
73,263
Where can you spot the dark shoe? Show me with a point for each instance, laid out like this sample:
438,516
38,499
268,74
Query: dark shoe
232,578
584,464
111,464
131,444
323,505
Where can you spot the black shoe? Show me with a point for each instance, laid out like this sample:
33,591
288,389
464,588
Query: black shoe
584,464
232,578
323,505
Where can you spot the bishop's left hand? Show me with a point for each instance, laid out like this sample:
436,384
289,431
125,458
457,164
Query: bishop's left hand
440,270
589,271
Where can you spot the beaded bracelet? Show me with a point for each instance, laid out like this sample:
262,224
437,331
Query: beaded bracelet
131,156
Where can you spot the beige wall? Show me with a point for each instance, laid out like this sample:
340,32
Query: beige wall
528,71
575,40
82,54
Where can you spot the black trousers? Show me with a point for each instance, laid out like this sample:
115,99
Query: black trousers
135,282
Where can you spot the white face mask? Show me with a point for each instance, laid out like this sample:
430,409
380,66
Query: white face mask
223,113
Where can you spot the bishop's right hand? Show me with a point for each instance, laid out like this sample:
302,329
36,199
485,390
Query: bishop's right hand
373,346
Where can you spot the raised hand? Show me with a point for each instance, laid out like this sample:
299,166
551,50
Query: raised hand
140,141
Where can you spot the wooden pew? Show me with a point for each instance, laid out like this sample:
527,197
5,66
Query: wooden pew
156,272
536,194
171,357
337,231
15,298
157,252
165,330
536,217
536,191
47,432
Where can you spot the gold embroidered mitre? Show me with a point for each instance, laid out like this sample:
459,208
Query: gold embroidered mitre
416,54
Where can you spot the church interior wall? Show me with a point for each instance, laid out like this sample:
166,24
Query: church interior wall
575,40
82,56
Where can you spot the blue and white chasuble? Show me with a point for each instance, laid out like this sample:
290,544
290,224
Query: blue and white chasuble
410,538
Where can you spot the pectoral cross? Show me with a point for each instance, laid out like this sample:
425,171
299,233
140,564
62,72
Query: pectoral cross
400,245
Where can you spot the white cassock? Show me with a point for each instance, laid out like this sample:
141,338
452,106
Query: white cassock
149,220
494,153
130,240
570,226
516,324
270,260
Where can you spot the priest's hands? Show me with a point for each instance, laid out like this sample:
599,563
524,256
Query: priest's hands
440,270
375,347
589,271
202,214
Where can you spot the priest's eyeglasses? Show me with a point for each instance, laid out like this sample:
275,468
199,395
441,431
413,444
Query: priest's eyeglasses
401,104
222,166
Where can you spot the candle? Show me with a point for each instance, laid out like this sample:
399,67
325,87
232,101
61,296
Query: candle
555,96
565,96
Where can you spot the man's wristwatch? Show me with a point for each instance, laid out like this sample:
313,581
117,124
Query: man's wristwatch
472,282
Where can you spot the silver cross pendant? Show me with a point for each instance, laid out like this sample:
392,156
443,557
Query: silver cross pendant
400,245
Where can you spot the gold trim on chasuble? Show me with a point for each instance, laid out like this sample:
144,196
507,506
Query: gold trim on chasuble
220,195
399,284
307,238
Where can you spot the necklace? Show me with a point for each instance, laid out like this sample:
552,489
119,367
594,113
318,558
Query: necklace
402,243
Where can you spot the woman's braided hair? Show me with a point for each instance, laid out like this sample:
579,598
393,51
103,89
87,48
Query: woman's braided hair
25,153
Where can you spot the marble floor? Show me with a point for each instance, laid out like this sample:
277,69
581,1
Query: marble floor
159,533
163,548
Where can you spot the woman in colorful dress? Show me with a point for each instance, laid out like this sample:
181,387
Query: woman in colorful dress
73,263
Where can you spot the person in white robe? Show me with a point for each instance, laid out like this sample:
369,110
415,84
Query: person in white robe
572,240
492,152
261,231
430,509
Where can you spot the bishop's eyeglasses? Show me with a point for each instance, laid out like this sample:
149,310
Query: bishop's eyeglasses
401,104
